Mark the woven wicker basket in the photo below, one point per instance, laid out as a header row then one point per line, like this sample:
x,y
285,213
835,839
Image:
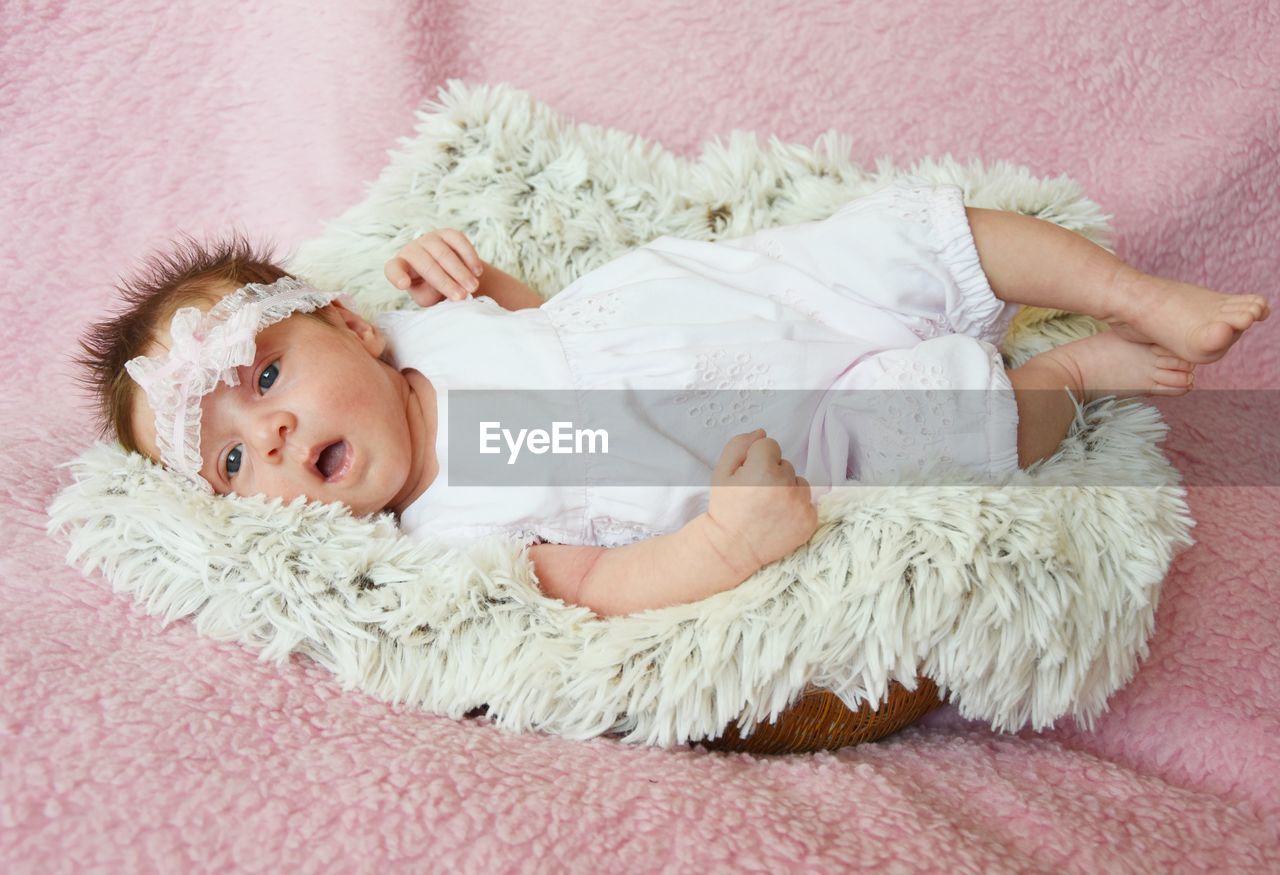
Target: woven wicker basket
x,y
818,720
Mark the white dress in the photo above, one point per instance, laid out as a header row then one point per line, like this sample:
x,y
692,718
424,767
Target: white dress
x,y
888,293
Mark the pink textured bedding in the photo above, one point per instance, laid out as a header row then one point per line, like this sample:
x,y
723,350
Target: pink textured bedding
x,y
132,747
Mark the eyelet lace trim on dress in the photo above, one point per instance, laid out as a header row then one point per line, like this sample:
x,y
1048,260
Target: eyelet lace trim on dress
x,y
927,329
592,312
911,202
913,402
611,532
727,388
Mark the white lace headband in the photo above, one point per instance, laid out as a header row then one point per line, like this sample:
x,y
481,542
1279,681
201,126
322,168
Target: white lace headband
x,y
205,350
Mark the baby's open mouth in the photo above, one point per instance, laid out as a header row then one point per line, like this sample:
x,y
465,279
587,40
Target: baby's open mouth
x,y
334,461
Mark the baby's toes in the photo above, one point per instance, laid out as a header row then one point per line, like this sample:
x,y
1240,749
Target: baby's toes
x,y
1239,317
1170,382
1178,378
1254,305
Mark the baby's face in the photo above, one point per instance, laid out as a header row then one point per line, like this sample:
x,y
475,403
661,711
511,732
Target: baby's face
x,y
317,414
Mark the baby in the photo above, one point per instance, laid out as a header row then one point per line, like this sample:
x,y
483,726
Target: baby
x,y
245,380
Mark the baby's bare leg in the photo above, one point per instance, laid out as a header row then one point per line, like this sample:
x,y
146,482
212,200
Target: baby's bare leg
x,y
1030,261
1105,364
1044,410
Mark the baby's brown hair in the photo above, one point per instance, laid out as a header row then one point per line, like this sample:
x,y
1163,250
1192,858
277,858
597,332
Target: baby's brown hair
x,y
188,273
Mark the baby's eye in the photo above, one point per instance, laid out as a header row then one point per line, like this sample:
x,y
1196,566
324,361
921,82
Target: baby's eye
x,y
233,460
268,376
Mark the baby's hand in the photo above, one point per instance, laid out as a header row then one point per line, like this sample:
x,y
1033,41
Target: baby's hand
x,y
763,510
432,268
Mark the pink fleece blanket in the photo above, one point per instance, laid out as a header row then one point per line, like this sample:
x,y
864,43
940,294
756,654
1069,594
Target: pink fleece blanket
x,y
133,747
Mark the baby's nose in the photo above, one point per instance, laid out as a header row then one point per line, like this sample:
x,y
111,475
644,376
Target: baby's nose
x,y
273,430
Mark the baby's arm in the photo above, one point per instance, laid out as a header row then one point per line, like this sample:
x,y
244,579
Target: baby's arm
x,y
679,567
509,292
759,512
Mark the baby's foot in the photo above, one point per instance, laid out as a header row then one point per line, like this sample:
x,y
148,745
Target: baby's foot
x,y
1199,325
1107,364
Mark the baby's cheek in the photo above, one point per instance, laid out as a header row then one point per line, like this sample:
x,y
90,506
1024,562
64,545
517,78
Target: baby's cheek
x,y
269,487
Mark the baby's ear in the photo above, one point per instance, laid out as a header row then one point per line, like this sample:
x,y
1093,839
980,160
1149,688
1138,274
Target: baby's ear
x,y
366,332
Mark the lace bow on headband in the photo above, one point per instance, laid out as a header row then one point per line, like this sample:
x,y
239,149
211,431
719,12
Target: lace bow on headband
x,y
205,350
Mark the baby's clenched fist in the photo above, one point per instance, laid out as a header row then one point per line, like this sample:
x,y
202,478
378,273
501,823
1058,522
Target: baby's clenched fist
x,y
760,509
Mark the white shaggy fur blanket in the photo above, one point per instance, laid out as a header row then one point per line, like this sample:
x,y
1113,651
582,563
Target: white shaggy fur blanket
x,y
1025,601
